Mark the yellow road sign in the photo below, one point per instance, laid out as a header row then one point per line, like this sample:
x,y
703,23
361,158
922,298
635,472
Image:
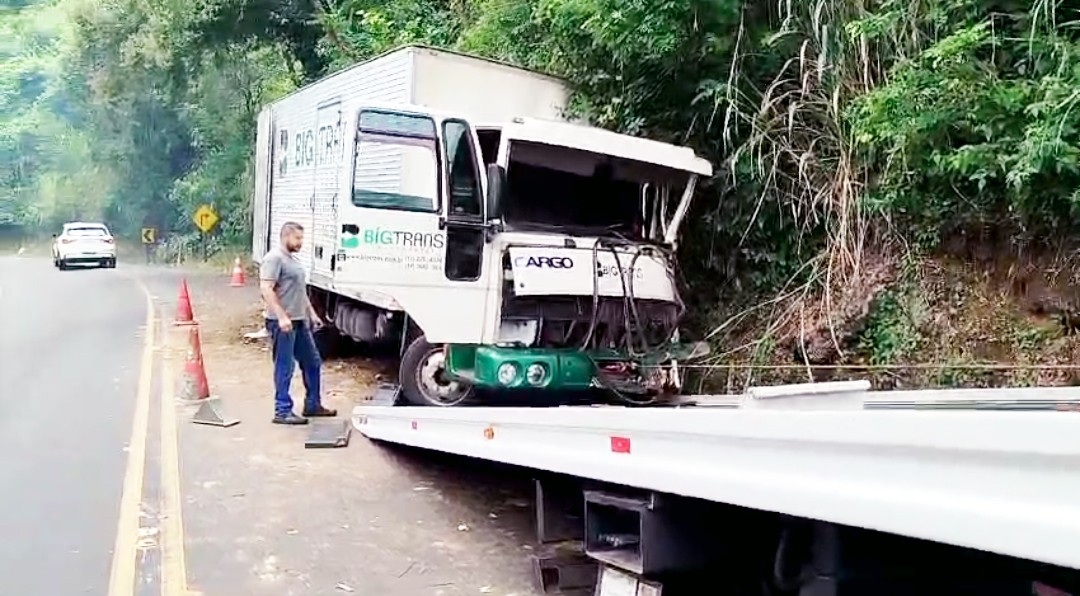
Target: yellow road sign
x,y
149,235
205,218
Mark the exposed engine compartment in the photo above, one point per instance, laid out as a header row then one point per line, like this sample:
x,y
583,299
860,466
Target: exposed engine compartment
x,y
608,324
588,267
626,335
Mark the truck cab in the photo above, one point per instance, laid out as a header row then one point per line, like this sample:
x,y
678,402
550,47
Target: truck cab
x,y
530,254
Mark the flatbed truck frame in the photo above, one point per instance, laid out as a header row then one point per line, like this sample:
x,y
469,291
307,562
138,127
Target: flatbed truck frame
x,y
993,472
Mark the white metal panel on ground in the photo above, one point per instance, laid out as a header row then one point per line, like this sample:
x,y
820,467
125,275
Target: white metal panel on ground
x,y
299,141
1004,482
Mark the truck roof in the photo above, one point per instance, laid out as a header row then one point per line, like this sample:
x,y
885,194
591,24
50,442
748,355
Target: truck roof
x,y
606,142
419,48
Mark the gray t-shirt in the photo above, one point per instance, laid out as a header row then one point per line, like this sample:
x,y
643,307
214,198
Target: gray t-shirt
x,y
289,283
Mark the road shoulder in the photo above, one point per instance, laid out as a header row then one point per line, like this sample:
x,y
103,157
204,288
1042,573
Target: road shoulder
x,y
263,515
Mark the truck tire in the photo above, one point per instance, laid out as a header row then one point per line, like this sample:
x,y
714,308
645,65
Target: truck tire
x,y
329,341
423,380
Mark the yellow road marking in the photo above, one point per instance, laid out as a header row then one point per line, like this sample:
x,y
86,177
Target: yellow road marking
x,y
122,575
174,563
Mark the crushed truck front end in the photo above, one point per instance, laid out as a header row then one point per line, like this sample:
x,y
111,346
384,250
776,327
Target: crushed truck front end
x,y
578,313
585,242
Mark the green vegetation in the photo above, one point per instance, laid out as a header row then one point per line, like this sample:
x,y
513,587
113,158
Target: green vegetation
x,y
849,136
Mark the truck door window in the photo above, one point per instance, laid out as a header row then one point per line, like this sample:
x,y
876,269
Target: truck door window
x,y
464,245
464,176
396,164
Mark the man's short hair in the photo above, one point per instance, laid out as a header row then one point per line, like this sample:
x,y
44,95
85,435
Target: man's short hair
x,y
289,227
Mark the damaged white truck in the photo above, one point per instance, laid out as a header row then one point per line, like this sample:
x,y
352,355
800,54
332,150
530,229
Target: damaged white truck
x,y
449,209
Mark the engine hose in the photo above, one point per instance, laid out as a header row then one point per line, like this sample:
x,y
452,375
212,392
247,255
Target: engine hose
x,y
630,314
633,303
677,283
674,273
628,332
595,296
671,269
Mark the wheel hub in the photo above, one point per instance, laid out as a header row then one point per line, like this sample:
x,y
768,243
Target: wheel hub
x,y
432,379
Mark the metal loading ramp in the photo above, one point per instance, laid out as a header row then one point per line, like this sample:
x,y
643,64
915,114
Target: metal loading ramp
x,y
1003,481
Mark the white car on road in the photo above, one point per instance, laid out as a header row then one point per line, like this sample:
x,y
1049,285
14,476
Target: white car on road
x,y
84,243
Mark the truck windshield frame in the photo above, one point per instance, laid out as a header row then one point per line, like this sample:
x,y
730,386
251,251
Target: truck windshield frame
x,y
395,136
554,188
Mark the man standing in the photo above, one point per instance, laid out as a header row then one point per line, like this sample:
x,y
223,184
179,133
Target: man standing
x,y
289,319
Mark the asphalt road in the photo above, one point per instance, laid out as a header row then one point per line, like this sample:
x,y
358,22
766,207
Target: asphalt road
x,y
70,349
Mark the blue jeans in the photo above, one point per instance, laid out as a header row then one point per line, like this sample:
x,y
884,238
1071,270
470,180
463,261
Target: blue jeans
x,y
296,346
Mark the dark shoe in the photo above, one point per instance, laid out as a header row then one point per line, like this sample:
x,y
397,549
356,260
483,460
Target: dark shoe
x,y
290,419
321,413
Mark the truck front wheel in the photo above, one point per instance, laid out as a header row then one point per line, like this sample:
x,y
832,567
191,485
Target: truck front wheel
x,y
423,377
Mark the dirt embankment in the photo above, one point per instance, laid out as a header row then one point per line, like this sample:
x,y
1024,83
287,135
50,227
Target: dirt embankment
x,y
970,316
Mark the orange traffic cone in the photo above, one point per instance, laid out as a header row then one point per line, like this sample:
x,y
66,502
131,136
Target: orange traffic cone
x,y
194,350
195,385
238,280
184,315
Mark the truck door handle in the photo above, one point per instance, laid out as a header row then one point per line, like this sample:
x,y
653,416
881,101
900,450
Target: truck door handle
x,y
459,223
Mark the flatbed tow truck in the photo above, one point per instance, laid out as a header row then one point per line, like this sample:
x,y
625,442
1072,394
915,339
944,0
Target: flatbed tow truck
x,y
816,489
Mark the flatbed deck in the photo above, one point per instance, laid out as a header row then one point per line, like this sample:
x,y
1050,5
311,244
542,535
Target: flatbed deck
x,y
999,481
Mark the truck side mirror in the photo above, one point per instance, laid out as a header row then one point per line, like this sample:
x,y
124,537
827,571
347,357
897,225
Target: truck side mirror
x,y
496,179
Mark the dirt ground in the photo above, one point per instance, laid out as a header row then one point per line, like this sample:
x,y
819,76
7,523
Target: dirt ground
x,y
264,515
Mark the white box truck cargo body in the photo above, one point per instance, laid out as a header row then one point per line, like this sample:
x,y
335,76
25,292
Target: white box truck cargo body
x,y
300,147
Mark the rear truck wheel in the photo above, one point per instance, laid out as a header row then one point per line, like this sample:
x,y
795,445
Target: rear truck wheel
x,y
423,377
329,341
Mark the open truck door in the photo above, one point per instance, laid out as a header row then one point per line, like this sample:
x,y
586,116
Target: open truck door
x,y
328,156
412,225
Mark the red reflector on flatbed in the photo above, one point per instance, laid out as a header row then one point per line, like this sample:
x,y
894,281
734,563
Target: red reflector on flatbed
x,y
620,445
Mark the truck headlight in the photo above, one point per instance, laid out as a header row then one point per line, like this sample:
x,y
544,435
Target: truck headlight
x,y
536,374
507,373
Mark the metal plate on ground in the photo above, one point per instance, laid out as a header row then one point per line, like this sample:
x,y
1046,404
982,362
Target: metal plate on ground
x,y
386,394
328,435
